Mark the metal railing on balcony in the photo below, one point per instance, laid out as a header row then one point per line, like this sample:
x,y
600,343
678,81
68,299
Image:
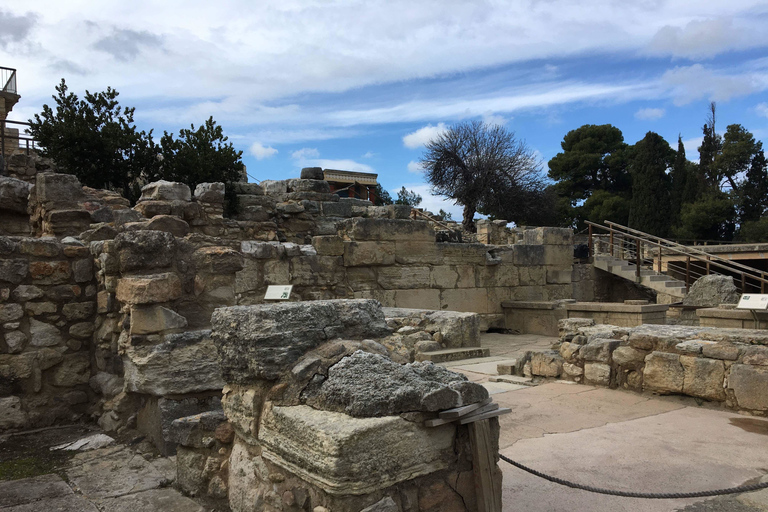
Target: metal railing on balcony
x,y
645,251
8,80
15,137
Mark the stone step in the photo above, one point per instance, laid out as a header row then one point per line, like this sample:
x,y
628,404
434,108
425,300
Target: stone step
x,y
506,367
659,278
453,354
514,379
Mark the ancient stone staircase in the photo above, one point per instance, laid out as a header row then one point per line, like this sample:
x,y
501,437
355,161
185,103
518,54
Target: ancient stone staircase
x,y
661,283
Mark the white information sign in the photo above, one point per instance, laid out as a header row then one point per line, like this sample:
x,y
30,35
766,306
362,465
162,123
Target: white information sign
x,y
280,292
753,301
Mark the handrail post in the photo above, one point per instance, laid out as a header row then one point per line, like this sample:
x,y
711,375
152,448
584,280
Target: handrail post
x,y
638,248
762,282
659,257
2,138
610,240
687,274
743,284
591,243
708,265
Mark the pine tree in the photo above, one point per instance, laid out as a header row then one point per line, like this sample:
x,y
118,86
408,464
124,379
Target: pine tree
x,y
678,180
649,209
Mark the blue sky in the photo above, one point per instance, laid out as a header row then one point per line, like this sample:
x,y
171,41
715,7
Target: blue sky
x,y
360,85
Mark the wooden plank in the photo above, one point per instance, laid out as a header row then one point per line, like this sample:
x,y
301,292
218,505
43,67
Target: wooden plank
x,y
437,422
490,407
485,416
462,411
487,488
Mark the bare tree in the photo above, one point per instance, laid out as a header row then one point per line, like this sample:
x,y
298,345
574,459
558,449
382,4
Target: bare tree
x,y
479,165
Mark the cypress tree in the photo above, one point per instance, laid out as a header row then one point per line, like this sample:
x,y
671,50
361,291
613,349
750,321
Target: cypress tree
x,y
649,209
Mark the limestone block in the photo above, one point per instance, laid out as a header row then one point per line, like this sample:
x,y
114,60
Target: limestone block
x,y
398,278
309,185
558,276
558,256
275,187
312,173
50,272
43,334
247,188
597,373
505,275
337,209
703,377
10,312
11,413
360,229
756,355
368,253
217,260
142,250
78,310
242,405
183,363
427,299
42,247
155,319
149,289
628,355
39,308
328,245
546,364
444,276
169,224
316,270
533,275
210,192
57,190
15,340
157,415
14,194
463,254
83,270
421,252
261,342
724,351
23,293
73,370
750,386
574,370
548,236
165,191
529,255
66,222
106,384
474,300
277,272
81,330
192,431
262,250
13,270
345,455
663,373
599,350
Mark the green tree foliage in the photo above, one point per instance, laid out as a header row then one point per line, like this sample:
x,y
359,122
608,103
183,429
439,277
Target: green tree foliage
x,y
753,192
96,139
709,218
678,178
382,196
602,206
408,197
737,151
477,165
649,209
711,145
443,215
753,231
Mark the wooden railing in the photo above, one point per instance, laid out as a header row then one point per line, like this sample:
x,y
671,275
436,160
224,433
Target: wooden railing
x,y
647,251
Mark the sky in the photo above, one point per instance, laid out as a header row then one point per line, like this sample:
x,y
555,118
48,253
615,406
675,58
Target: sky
x,y
362,84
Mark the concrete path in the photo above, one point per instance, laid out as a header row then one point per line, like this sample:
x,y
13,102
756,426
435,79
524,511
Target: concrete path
x,y
620,440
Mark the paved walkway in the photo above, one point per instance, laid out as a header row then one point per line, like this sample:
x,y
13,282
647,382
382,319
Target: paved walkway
x,y
620,440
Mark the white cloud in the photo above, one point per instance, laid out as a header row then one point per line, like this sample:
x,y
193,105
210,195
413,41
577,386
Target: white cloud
x,y
696,82
305,153
340,165
494,119
650,114
261,152
697,39
369,154
415,167
762,109
423,135
692,148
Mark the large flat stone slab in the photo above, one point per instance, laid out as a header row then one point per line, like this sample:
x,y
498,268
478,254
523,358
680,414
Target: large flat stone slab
x,y
27,490
346,455
165,500
70,503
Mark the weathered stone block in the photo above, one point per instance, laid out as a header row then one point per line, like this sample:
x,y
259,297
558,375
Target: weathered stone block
x,y
724,351
83,270
559,256
13,271
217,260
628,355
597,373
599,350
14,194
703,377
78,310
11,413
23,293
155,319
328,245
422,299
398,278
548,236
10,312
663,373
149,289
318,447
143,250
260,342
474,300
82,330
57,190
43,334
183,363
421,252
50,272
546,364
529,255
750,386
74,369
558,276
360,229
42,247
368,253
166,191
167,223
210,192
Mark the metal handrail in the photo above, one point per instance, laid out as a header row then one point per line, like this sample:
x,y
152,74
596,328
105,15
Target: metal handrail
x,y
30,142
8,80
638,238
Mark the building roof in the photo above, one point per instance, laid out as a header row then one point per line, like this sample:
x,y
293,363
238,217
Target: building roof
x,y
337,176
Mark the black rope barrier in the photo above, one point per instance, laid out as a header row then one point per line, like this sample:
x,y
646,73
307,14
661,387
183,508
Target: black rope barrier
x,y
645,495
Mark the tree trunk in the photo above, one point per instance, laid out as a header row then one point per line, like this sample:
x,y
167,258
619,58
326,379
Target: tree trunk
x,y
469,218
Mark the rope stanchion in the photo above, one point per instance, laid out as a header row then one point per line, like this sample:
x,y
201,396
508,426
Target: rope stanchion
x,y
644,495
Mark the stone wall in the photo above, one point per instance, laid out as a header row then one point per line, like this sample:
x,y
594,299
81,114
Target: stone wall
x,y
729,366
47,306
399,263
325,420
